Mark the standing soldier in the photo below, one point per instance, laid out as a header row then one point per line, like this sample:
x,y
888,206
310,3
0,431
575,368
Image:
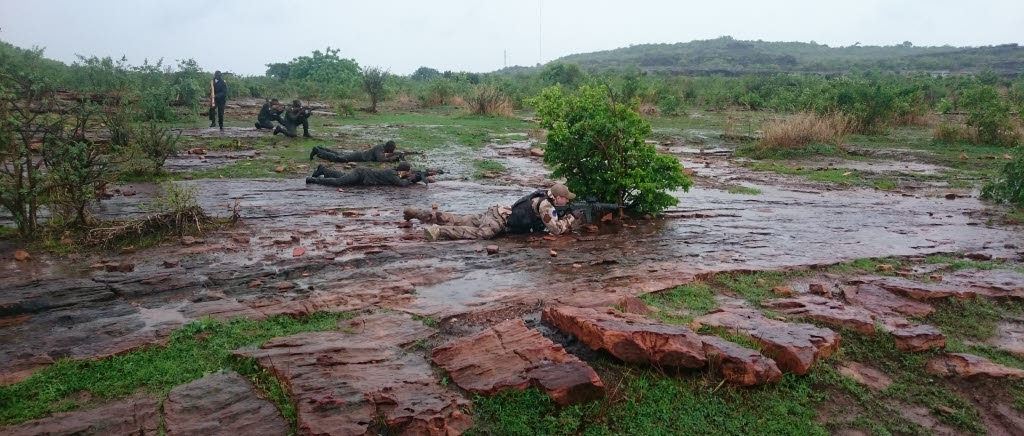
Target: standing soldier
x,y
218,98
270,112
532,213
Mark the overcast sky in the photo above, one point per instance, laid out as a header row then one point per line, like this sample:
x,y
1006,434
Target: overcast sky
x,y
243,36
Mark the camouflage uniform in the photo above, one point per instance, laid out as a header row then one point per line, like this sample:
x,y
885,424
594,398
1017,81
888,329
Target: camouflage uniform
x,y
267,116
375,154
492,222
360,176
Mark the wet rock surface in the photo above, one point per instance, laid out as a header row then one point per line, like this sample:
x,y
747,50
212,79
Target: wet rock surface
x,y
221,404
968,365
969,283
631,338
345,384
512,356
866,375
793,346
739,365
137,416
826,310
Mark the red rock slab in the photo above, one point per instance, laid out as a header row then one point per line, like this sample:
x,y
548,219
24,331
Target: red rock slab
x,y
1009,337
996,283
224,404
794,346
884,302
512,356
132,416
739,365
395,328
866,375
968,365
631,338
346,385
826,310
918,337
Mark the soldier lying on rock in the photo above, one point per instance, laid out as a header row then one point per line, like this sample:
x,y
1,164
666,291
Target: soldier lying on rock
x,y
378,153
403,175
532,213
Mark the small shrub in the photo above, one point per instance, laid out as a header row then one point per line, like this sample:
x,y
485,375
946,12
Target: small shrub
x,y
156,144
489,100
948,133
175,212
805,129
990,116
1008,185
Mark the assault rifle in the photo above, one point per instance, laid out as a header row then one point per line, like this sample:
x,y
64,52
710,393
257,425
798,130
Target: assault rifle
x,y
402,154
421,175
588,206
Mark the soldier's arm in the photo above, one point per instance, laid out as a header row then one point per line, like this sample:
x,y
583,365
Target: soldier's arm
x,y
556,225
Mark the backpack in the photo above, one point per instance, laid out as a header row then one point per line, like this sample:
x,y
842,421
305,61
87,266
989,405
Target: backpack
x,y
524,219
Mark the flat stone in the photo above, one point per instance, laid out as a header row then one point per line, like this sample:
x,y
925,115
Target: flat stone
x,y
968,365
346,385
883,302
794,346
866,375
222,403
918,338
21,255
492,249
132,416
826,310
1009,337
395,328
631,338
739,365
969,283
298,251
512,356
783,291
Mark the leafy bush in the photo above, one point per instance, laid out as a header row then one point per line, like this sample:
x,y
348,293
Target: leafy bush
x,y
374,79
598,146
990,115
948,133
1008,185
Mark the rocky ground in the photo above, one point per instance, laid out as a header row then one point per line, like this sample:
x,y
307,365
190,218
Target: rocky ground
x,y
441,322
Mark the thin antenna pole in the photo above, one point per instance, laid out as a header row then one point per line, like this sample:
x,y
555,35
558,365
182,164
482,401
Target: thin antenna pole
x,y
540,32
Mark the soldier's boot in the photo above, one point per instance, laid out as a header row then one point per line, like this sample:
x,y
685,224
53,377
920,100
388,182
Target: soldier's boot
x,y
310,180
319,171
277,130
258,126
314,152
431,233
305,132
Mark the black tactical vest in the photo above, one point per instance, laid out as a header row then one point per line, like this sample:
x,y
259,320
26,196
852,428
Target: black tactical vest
x,y
524,219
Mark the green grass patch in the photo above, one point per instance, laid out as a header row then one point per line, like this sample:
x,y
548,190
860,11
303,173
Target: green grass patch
x,y
743,190
646,402
754,287
959,263
487,166
972,318
426,320
197,349
697,298
754,151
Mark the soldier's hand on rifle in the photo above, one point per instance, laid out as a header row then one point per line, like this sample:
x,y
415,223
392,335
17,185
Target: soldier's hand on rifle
x,y
578,213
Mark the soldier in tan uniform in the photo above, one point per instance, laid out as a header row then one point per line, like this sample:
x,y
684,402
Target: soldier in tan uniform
x,y
532,213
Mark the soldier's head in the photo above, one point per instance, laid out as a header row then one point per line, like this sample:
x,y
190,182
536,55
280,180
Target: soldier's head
x,y
296,104
216,74
389,147
275,103
404,166
561,194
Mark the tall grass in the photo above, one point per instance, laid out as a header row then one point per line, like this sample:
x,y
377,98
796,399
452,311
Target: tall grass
x,y
805,129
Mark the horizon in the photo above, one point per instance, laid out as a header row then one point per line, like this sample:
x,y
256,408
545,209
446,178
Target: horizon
x,y
460,35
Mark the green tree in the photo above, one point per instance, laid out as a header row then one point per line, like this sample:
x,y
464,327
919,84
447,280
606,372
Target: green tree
x,y
424,73
567,75
598,145
374,79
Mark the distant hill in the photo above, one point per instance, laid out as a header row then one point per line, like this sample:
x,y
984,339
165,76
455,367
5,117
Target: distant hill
x,y
730,56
